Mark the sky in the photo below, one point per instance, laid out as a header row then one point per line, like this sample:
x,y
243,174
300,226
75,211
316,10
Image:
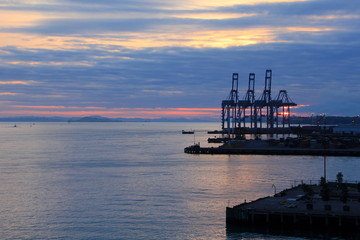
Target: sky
x,y
171,59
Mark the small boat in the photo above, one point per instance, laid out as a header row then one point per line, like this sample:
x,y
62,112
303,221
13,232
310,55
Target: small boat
x,y
187,132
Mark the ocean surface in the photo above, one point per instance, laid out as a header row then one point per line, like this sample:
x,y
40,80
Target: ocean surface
x,y
133,181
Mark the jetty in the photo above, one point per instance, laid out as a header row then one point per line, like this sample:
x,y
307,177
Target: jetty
x,y
317,145
196,149
303,206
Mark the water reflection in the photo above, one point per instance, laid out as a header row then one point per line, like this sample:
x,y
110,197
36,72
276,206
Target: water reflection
x,y
133,181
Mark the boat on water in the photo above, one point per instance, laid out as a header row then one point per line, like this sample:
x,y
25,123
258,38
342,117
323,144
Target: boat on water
x,y
187,132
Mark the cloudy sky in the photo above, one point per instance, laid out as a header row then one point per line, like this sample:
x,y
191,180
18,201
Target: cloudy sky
x,y
161,58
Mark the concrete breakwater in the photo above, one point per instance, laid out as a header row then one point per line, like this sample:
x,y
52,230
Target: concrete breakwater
x,y
293,208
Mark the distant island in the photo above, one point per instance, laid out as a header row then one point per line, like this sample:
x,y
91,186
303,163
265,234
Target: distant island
x,y
98,119
94,119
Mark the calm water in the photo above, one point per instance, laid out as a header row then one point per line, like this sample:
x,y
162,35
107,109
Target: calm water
x,y
133,181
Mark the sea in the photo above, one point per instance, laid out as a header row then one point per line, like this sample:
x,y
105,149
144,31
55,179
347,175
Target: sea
x,y
128,180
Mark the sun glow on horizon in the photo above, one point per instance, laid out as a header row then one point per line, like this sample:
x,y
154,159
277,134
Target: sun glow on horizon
x,y
77,111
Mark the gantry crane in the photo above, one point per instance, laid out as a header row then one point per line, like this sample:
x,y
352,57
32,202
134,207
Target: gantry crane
x,y
248,102
229,107
284,102
264,101
234,112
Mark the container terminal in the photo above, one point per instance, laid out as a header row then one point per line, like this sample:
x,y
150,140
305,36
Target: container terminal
x,y
268,121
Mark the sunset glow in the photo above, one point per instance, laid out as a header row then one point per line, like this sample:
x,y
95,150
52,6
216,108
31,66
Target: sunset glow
x,y
212,4
15,19
16,82
8,94
182,37
218,16
150,113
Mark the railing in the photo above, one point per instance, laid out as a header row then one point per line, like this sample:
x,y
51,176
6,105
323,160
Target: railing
x,y
294,183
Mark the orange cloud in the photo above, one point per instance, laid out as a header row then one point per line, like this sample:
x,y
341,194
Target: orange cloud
x,y
16,82
58,113
51,63
151,113
14,19
300,106
332,17
197,109
308,29
164,37
9,94
212,4
55,107
173,113
217,16
112,112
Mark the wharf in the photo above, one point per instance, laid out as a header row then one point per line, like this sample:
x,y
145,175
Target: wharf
x,y
292,208
246,130
268,147
264,131
196,149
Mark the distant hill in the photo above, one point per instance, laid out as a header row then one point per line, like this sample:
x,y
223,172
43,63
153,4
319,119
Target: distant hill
x,y
94,119
332,120
99,119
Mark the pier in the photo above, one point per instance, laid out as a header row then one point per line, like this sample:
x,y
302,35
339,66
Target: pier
x,y
196,149
294,207
323,146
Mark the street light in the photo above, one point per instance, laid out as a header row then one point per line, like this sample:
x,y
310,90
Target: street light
x,y
325,167
273,186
